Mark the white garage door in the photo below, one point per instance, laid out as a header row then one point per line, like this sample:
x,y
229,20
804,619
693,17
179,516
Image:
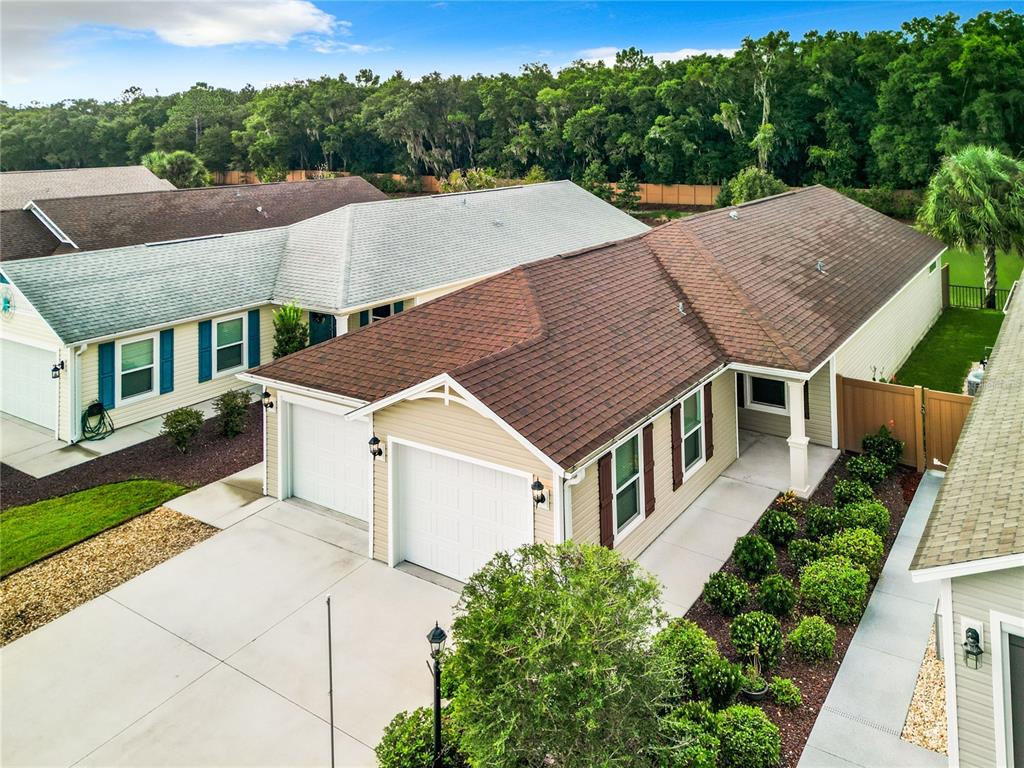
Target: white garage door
x,y
26,388
454,515
330,461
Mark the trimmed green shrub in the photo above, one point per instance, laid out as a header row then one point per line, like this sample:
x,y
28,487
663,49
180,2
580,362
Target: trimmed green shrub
x,y
684,645
822,521
727,593
813,640
835,587
862,545
848,492
757,634
804,551
717,680
789,502
747,738
867,469
232,408
778,595
689,736
182,425
408,740
884,447
754,557
785,692
898,203
777,526
868,514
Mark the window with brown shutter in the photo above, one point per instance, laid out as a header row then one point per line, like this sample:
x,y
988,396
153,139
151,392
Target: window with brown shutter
x,y
604,496
709,427
677,446
648,458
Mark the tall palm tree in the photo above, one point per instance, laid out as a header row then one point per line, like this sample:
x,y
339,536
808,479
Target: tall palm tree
x,y
976,199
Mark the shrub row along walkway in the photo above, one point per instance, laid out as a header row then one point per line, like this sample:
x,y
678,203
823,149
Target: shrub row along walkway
x,y
863,715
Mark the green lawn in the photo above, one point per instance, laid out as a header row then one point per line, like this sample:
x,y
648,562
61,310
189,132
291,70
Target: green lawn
x,y
967,267
944,356
31,532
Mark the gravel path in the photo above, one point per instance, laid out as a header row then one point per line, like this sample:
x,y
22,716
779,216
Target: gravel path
x,y
52,587
926,720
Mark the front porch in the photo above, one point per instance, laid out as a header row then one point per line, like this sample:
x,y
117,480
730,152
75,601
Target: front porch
x,y
700,541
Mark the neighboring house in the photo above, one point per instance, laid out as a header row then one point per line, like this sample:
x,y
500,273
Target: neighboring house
x,y
150,327
615,378
69,224
18,188
973,545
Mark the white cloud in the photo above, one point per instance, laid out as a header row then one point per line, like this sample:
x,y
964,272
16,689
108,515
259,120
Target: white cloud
x,y
42,36
607,54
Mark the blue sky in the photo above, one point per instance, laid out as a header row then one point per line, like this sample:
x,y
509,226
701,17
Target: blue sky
x,y
96,48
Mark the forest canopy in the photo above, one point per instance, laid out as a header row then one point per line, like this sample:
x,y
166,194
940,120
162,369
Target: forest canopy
x,y
838,108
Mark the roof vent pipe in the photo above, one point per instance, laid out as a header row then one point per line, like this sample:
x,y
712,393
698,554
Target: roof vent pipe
x,y
820,266
734,215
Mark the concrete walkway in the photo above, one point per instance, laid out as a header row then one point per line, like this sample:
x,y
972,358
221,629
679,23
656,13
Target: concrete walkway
x,y
863,716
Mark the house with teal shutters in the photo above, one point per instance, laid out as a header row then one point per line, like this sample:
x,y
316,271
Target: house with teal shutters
x,y
146,328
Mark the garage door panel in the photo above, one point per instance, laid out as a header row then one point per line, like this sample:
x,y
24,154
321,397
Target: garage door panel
x,y
454,515
328,461
27,389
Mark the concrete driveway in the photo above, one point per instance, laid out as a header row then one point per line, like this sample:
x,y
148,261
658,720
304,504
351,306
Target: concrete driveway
x,y
218,657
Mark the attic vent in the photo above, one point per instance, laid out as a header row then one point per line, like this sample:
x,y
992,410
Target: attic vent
x,y
498,223
734,215
820,266
259,209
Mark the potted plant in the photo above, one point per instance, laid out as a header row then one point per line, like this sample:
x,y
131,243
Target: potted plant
x,y
754,687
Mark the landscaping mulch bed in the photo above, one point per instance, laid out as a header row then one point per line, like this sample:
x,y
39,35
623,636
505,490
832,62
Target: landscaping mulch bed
x,y
814,681
926,720
50,588
213,457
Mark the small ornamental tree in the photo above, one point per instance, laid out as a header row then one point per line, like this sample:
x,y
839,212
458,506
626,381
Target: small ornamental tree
x,y
291,332
627,192
181,168
750,184
553,659
595,181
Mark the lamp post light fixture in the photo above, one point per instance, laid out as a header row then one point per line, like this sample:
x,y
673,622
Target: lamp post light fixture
x,y
376,450
436,637
537,487
268,400
57,368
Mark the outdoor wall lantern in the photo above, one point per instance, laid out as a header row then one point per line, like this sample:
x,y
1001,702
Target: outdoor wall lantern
x,y
538,492
57,368
972,648
268,400
376,450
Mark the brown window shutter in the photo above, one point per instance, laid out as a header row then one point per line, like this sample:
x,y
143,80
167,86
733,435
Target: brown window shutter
x,y
604,500
675,417
709,424
807,401
648,441
740,394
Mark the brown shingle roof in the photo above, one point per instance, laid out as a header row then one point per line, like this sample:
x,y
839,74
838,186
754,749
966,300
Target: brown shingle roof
x,y
572,351
112,221
979,512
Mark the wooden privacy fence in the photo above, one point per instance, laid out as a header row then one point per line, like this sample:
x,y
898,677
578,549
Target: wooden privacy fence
x,y
927,421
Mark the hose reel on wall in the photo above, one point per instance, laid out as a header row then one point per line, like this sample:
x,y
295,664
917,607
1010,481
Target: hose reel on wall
x,y
96,422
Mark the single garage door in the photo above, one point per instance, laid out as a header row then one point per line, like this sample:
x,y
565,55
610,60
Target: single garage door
x,y
454,515
330,461
26,388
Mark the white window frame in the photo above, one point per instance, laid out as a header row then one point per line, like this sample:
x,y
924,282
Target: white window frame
x,y
748,394
1001,625
213,346
687,471
155,339
632,525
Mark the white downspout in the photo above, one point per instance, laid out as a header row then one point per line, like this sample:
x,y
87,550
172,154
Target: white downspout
x,y
567,483
75,395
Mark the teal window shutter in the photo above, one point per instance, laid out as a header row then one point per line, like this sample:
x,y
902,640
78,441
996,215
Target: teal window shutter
x,y
166,361
106,353
254,338
205,350
399,306
364,318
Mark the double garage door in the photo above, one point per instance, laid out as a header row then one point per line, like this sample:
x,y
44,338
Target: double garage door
x,y
27,389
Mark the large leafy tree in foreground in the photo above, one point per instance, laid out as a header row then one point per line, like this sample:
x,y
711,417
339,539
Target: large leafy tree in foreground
x,y
976,199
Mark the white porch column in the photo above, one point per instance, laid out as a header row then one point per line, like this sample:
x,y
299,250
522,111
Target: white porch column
x,y
340,325
798,470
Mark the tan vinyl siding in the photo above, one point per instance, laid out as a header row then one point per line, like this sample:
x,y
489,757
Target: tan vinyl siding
x,y
188,390
458,429
818,427
880,346
973,598
270,432
27,327
669,504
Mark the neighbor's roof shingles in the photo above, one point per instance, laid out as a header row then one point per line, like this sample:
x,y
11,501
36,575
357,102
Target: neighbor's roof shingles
x,y
571,351
979,512
17,188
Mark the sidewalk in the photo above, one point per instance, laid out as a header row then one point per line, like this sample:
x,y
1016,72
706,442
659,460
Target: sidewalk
x,y
863,716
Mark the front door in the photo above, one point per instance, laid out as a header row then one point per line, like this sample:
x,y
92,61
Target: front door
x,y
321,327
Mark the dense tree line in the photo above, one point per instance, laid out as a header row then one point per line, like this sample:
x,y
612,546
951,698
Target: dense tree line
x,y
841,108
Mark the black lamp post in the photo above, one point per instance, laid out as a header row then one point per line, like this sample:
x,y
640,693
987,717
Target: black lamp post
x,y
436,638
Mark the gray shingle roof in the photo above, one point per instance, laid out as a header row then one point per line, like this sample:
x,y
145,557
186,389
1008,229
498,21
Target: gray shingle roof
x,y
18,187
368,252
979,512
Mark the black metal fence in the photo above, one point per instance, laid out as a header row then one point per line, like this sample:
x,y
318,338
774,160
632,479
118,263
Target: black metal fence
x,y
973,296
